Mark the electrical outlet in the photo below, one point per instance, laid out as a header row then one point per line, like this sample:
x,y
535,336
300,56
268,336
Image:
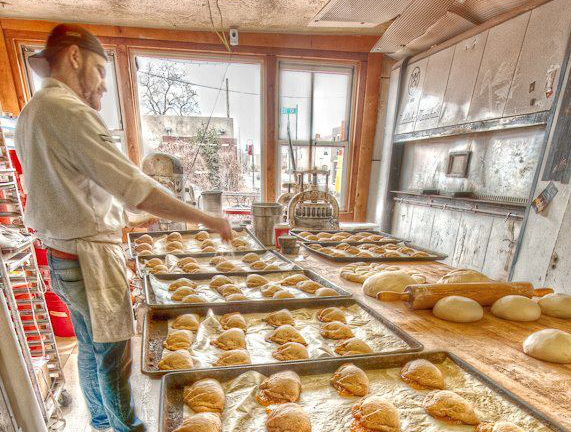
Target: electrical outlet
x,y
233,36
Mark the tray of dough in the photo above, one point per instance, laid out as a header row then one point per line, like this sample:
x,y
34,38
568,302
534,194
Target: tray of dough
x,y
352,237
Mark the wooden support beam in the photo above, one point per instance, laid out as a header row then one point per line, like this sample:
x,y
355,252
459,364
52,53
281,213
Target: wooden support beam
x,y
8,96
270,151
368,127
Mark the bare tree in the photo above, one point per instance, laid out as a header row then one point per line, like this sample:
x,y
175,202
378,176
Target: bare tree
x,y
164,90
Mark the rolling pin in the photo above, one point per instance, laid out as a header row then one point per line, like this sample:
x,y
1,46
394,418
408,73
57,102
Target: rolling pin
x,y
485,293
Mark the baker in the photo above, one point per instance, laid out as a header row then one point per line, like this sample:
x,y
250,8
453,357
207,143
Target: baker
x,y
78,185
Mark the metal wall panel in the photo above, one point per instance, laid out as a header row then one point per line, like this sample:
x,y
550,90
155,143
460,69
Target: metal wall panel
x,y
542,52
497,69
430,105
462,78
410,96
472,241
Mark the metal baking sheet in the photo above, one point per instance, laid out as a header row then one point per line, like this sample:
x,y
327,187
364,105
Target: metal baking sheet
x,y
203,259
435,256
255,244
156,290
389,237
332,413
383,336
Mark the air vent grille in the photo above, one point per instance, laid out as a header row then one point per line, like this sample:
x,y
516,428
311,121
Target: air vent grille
x,y
359,12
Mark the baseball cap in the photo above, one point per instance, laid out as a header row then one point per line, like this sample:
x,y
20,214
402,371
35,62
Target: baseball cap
x,y
62,36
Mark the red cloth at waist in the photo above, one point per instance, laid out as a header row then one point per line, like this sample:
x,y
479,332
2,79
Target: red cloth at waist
x,y
63,255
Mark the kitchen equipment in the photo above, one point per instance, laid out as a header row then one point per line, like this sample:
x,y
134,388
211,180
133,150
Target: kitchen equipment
x,y
485,293
281,229
265,216
211,202
288,244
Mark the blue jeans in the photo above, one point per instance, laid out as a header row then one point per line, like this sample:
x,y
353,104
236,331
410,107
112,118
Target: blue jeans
x,y
104,368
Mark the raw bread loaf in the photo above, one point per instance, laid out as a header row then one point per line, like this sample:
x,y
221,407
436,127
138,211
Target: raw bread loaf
x,y
556,305
550,345
458,309
463,276
395,281
516,308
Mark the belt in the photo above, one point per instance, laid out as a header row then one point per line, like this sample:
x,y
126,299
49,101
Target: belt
x,y
63,255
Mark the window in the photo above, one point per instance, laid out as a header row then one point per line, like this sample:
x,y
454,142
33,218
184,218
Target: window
x,y
206,111
315,106
110,107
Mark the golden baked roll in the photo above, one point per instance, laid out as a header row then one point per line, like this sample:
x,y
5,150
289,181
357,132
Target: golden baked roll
x,y
250,258
228,289
205,395
178,339
327,250
242,248
353,346
283,294
143,247
281,387
239,242
315,246
174,246
186,322
226,266
174,236
206,243
291,351
145,238
449,406
365,254
378,250
288,417
421,374
343,234
335,330
230,339
159,269
258,265
279,318
337,238
236,297
182,292
349,380
201,422
193,298
304,234
367,246
233,320
191,268
255,280
233,358
406,250
270,289
392,254
202,235
219,280
331,314
236,234
286,333
176,251
176,360
272,267
217,260
392,246
375,238
144,253
498,427
180,283
294,279
209,249
154,262
419,254
326,292
324,235
374,413
353,250
186,260
308,286
312,237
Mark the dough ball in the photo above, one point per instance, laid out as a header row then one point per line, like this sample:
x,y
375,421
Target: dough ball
x,y
326,292
233,320
179,339
288,417
349,380
143,247
153,262
272,267
182,292
255,280
458,309
308,286
176,360
395,281
463,276
205,395
258,265
293,280
236,297
556,305
422,374
209,249
281,387
549,345
279,318
219,280
201,422
159,269
231,339
282,294
226,266
229,289
376,413
216,260
193,298
335,330
353,346
498,427
145,238
516,308
250,258
286,333
233,358
449,406
186,260
191,268
202,235
331,314
186,322
175,245
270,289
174,236
180,283
291,351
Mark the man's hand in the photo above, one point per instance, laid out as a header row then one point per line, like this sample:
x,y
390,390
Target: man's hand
x,y
220,225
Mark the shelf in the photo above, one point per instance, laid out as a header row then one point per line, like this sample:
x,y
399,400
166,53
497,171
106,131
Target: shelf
x,y
468,200
8,254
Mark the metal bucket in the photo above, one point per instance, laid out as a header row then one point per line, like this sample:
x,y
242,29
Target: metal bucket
x,y
265,215
211,202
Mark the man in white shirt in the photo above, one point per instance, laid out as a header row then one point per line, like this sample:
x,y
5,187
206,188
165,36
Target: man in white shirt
x,y
78,186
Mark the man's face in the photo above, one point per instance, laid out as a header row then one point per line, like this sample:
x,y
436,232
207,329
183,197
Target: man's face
x,y
92,79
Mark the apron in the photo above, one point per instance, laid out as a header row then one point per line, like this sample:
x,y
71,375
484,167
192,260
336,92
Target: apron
x,y
103,267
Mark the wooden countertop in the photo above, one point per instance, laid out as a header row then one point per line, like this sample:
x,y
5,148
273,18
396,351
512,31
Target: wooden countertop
x,y
492,345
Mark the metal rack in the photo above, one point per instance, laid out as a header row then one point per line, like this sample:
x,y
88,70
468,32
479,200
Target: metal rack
x,y
23,288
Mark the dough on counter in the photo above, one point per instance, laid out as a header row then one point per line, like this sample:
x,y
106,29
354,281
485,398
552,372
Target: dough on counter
x,y
516,308
174,236
286,333
204,244
179,339
180,283
421,374
353,346
556,305
202,235
219,280
159,269
294,279
237,243
335,330
498,427
291,351
250,258
193,298
233,358
144,253
182,292
201,422
175,245
550,345
279,318
191,267
217,260
458,309
209,249
231,339
145,238
326,292
349,380
463,276
376,414
308,286
331,314
153,262
449,406
272,267
258,265
395,281
186,322
233,320
205,395
186,260
143,247
288,417
236,297
281,387
226,266
255,280
282,294
176,360
270,289
226,290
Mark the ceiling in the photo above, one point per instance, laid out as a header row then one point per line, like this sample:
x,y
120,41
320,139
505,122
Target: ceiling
x,y
249,15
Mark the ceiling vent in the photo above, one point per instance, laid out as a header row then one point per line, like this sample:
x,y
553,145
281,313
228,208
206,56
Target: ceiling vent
x,y
358,13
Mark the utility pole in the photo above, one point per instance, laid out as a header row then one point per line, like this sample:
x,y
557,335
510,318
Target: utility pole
x,y
227,100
